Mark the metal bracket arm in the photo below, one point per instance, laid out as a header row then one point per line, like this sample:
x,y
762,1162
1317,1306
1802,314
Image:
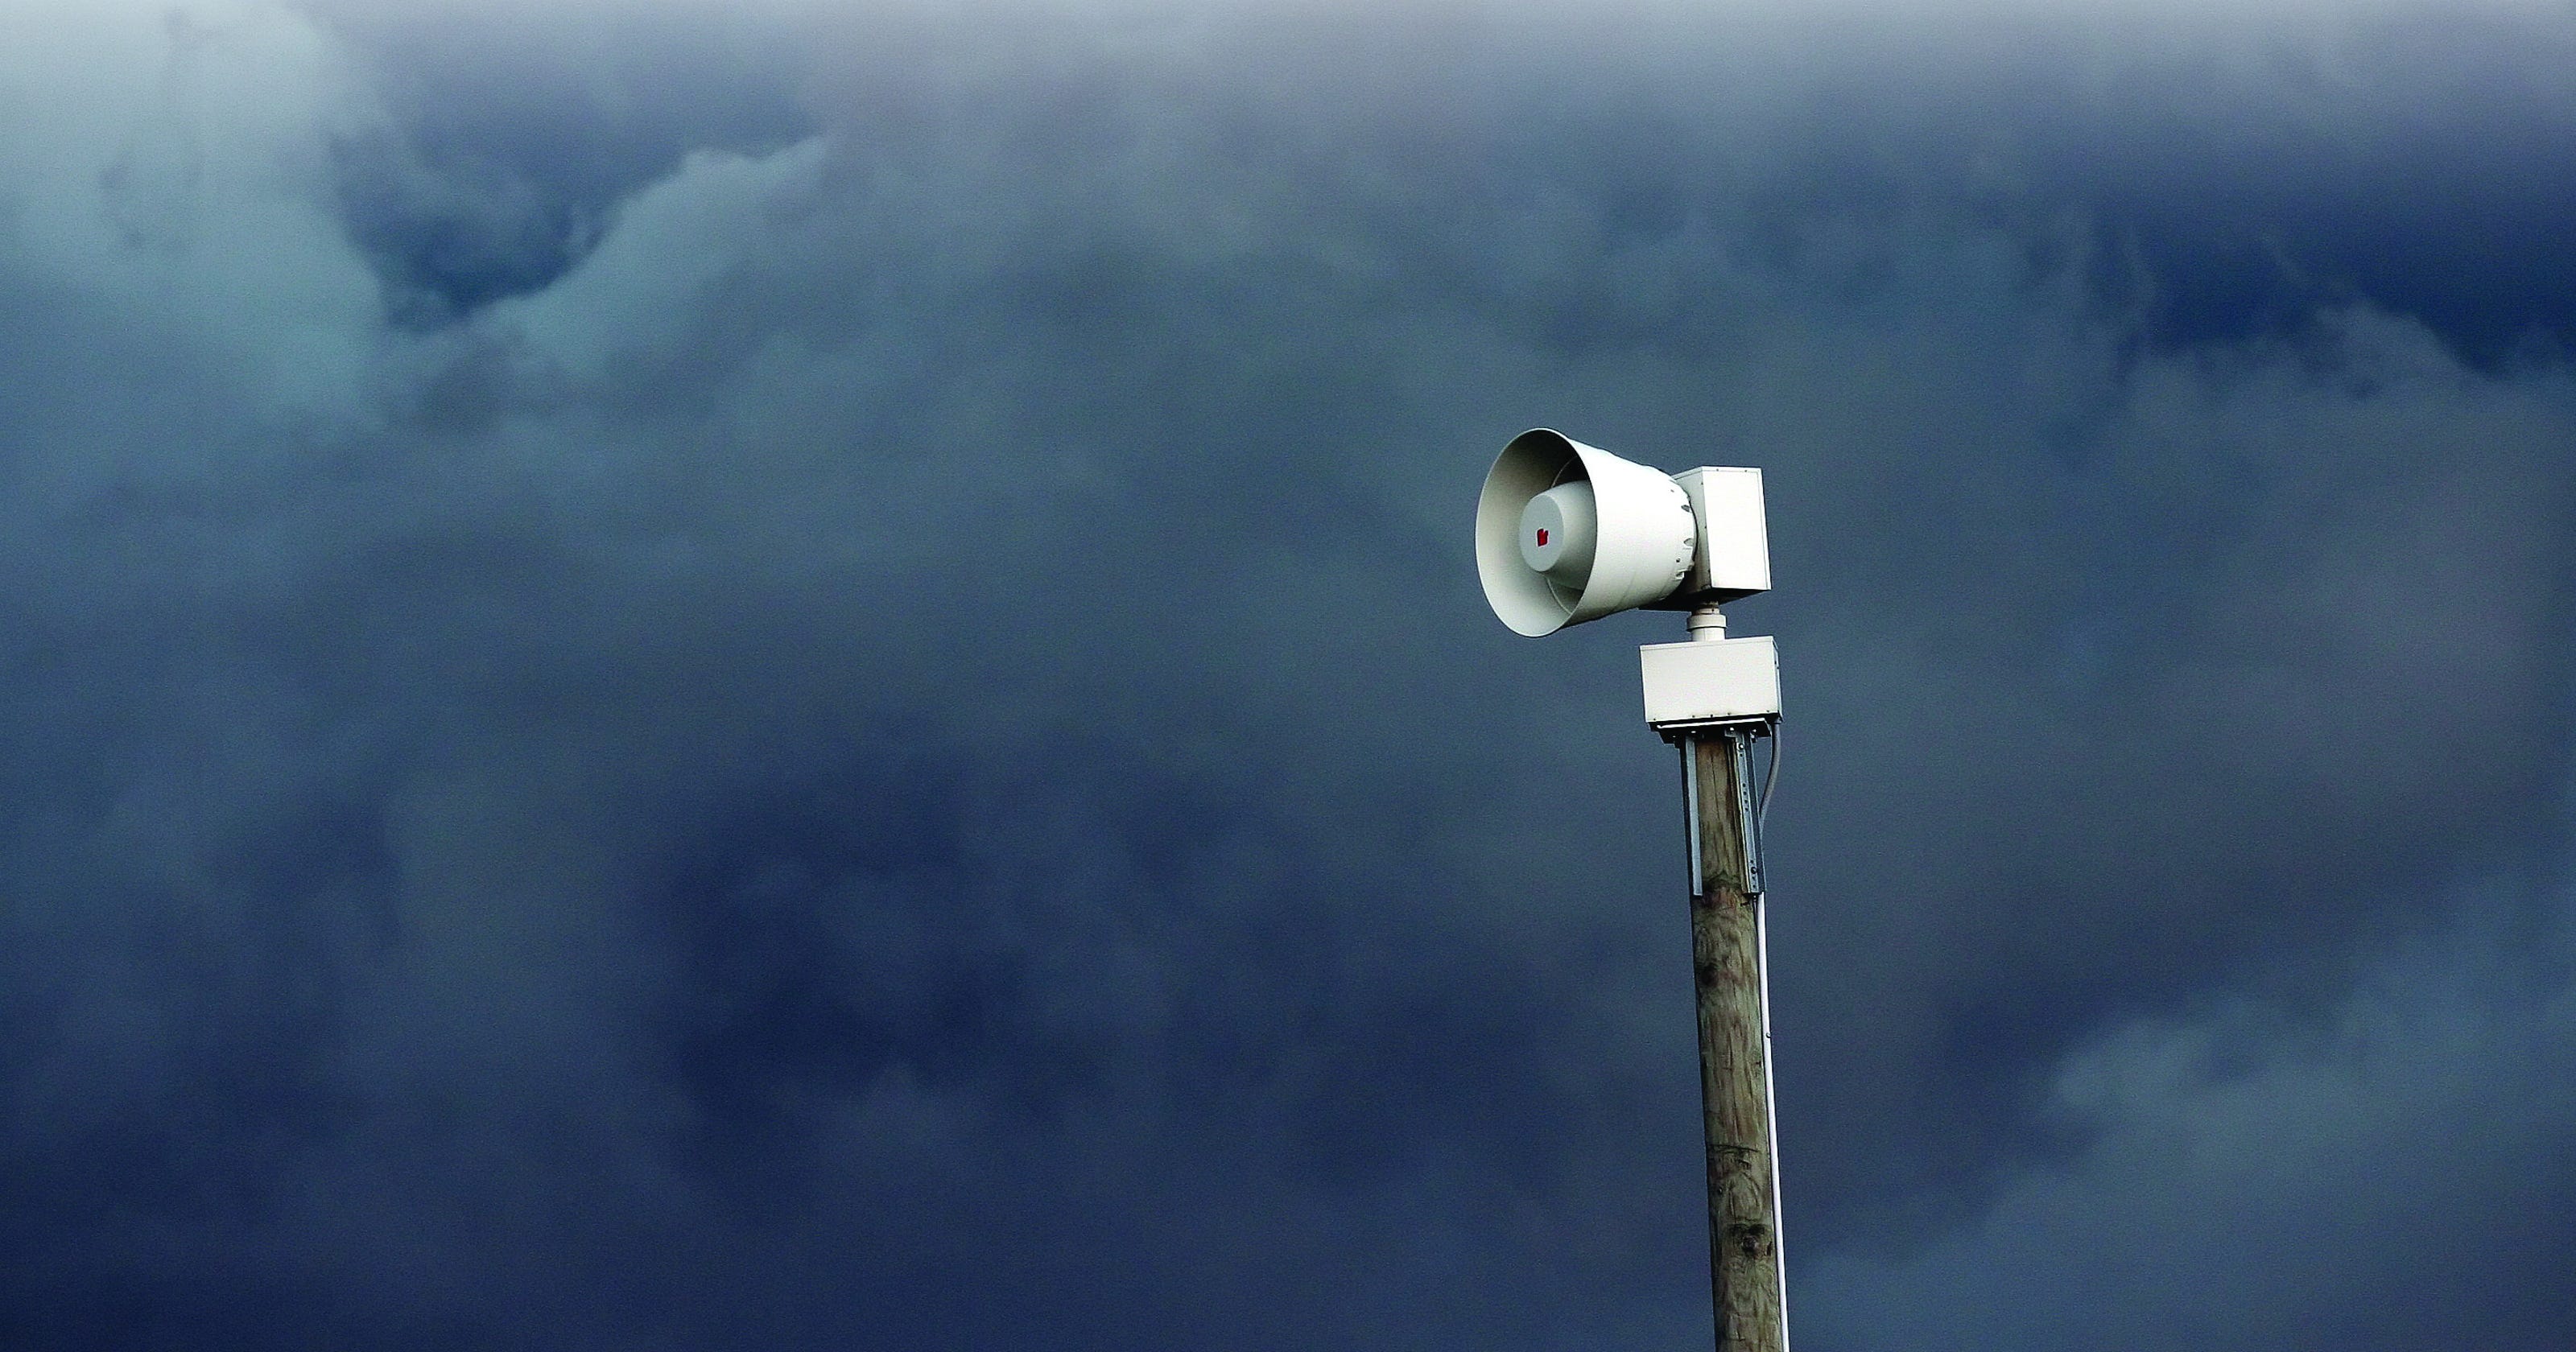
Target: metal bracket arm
x,y
1739,735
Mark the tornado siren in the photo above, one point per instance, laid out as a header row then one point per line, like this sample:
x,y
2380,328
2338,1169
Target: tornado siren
x,y
1567,532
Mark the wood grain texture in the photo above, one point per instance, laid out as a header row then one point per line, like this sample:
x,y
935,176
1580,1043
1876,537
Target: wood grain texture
x,y
1744,1260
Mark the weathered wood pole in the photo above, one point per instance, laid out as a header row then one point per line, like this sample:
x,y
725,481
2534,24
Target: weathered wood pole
x,y
1734,1047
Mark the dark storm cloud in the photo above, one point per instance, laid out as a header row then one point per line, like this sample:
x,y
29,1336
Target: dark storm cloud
x,y
2237,183
2291,1180
885,737
509,141
2418,192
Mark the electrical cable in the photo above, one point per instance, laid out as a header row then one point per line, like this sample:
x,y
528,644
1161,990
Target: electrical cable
x,y
1770,780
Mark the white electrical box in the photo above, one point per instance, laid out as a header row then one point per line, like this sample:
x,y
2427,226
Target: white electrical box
x,y
1707,682
1734,536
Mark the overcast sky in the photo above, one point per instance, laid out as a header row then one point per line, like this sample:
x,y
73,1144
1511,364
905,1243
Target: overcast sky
x,y
808,675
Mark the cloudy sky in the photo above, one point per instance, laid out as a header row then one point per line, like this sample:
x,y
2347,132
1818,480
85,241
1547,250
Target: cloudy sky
x,y
807,675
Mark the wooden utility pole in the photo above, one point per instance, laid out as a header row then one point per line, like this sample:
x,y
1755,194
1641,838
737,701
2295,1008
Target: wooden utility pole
x,y
1734,1039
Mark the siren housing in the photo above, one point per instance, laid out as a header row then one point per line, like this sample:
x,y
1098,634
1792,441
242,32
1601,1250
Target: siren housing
x,y
1567,532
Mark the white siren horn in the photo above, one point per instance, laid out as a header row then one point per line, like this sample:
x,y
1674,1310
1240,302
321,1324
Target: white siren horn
x,y
1567,532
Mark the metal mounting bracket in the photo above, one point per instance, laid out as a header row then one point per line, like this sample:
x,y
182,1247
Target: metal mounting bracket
x,y
1739,734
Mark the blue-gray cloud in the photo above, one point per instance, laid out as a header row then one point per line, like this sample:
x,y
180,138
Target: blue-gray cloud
x,y
691,683
509,140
